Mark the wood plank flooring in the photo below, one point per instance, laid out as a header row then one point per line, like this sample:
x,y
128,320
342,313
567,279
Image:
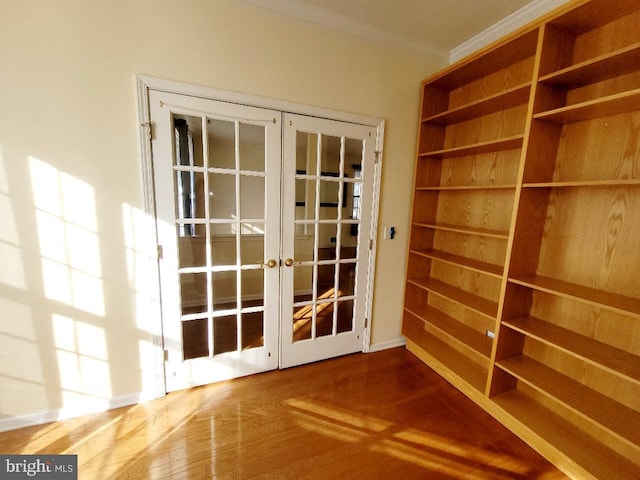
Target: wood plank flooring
x,y
378,415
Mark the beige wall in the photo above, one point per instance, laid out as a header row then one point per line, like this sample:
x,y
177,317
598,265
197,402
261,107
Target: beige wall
x,y
74,313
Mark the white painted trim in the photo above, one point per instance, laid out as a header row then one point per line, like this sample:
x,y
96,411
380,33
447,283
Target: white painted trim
x,y
146,185
375,209
398,342
352,26
40,418
505,26
163,85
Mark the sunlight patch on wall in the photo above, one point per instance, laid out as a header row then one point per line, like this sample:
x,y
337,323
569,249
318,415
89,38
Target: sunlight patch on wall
x,y
139,238
12,271
68,238
83,363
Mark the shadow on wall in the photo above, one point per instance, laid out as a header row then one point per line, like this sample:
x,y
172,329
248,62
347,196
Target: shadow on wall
x,y
65,331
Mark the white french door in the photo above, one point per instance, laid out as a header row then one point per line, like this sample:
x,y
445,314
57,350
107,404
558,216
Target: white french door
x,y
217,191
328,171
264,222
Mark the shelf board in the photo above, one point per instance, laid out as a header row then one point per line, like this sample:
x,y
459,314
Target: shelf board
x,y
457,188
591,455
617,419
599,298
625,182
464,262
499,145
481,232
473,302
462,334
603,67
602,107
613,360
510,98
450,360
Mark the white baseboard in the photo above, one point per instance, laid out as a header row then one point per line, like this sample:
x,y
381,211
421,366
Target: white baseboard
x,y
40,418
377,347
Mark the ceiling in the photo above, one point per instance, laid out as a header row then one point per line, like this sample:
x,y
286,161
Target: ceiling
x,y
436,27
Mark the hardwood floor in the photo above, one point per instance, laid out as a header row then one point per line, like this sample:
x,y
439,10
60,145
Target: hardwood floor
x,y
378,415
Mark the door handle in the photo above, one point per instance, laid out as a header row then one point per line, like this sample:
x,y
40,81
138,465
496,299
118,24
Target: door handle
x,y
289,262
271,263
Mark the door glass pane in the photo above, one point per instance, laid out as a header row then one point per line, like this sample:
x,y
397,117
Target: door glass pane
x,y
306,153
347,279
330,157
326,280
252,330
195,338
191,249
327,237
305,199
223,228
329,199
188,140
222,152
349,238
190,193
252,147
222,196
225,334
193,292
302,322
345,316
302,283
252,288
324,319
304,243
224,290
348,252
223,249
353,150
252,246
253,199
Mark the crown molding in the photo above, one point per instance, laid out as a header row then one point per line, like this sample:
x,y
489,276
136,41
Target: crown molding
x,y
505,26
352,26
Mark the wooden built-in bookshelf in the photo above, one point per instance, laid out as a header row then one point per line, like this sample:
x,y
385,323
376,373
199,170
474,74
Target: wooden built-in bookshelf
x,y
523,276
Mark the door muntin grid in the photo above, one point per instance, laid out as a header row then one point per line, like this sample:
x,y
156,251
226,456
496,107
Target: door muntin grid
x,y
328,175
220,224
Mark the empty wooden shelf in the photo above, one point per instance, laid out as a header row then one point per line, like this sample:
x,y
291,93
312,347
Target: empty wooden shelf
x,y
523,283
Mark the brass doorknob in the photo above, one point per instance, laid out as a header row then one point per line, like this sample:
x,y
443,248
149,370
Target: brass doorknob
x,y
289,262
270,263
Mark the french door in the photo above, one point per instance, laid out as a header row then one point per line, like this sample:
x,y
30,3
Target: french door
x,y
326,221
264,250
217,191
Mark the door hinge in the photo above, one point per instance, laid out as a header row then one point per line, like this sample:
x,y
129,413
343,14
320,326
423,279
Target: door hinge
x,y
377,156
149,128
366,322
166,355
371,244
159,252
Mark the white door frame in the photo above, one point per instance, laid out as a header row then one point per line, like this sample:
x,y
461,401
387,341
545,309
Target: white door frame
x,y
146,83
